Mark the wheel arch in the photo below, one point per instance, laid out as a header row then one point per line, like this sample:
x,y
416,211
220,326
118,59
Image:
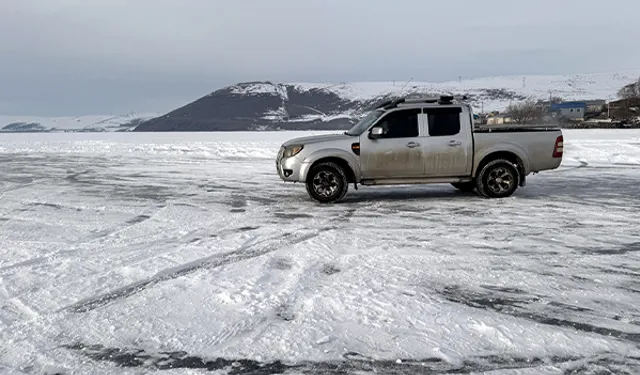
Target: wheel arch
x,y
513,156
348,164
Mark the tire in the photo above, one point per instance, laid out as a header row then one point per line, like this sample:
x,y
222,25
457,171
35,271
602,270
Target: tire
x,y
465,187
498,179
327,183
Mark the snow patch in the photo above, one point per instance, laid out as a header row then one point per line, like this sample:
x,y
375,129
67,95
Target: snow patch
x,y
260,88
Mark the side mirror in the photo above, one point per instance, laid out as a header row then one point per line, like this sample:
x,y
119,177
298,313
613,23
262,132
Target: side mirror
x,y
376,132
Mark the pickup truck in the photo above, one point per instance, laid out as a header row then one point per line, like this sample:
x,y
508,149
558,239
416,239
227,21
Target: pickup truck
x,y
421,141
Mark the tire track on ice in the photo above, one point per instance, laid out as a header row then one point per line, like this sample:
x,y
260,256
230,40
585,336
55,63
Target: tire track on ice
x,y
214,261
281,305
78,247
274,310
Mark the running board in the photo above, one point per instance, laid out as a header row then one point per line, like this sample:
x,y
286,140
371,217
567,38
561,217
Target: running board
x,y
407,181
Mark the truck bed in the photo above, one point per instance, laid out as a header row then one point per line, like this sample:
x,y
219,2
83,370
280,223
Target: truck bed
x,y
534,144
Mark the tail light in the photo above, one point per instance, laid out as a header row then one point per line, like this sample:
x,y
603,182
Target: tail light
x,y
559,147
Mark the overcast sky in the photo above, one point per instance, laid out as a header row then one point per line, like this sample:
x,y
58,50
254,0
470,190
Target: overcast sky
x,y
76,57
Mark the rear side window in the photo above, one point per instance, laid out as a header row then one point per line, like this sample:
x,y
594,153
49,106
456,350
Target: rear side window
x,y
400,124
443,121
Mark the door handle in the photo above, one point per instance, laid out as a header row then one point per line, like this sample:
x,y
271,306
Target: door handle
x,y
413,144
455,143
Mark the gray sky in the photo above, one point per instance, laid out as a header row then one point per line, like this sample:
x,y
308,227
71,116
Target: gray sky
x,y
76,57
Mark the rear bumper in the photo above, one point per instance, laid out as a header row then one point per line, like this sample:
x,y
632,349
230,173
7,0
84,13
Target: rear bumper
x,y
547,165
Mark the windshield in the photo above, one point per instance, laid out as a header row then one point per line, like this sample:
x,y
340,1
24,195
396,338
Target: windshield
x,y
365,122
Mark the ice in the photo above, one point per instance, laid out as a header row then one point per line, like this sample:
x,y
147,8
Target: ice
x,y
184,251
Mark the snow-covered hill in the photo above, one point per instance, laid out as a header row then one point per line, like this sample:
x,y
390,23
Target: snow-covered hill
x,y
77,123
495,93
323,106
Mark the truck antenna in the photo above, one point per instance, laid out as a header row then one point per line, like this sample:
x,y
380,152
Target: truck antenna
x,y
405,85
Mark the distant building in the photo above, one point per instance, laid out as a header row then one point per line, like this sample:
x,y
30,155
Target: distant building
x,y
625,103
499,120
595,106
625,108
571,110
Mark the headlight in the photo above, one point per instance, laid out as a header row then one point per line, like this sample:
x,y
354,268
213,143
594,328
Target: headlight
x,y
293,150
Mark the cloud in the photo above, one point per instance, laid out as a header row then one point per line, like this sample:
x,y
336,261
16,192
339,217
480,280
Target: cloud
x,y
69,57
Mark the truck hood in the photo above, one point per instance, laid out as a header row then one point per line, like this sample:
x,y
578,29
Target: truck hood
x,y
317,139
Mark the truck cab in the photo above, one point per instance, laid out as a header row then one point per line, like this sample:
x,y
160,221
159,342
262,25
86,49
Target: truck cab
x,y
409,142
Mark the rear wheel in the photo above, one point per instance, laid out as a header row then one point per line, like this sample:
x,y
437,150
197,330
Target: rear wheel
x,y
498,179
327,183
466,187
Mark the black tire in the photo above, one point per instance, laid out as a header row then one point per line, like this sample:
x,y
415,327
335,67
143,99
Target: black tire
x,y
465,187
327,176
498,179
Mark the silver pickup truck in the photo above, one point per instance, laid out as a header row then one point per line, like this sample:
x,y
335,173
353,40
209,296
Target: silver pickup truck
x,y
419,141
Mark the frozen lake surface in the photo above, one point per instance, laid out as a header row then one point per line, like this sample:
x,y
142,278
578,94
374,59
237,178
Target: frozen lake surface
x,y
184,251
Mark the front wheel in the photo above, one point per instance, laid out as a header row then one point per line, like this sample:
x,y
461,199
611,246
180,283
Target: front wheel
x,y
498,179
327,183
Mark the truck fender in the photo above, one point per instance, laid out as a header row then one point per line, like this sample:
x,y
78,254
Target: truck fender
x,y
502,147
350,158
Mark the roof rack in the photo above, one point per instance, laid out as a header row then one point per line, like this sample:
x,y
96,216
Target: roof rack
x,y
421,100
446,99
391,103
442,99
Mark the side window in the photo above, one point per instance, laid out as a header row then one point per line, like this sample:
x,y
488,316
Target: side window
x,y
400,124
444,121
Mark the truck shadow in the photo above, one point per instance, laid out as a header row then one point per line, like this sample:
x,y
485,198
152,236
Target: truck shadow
x,y
404,192
587,188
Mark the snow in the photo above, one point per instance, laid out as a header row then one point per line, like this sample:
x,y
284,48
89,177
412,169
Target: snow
x,y
324,118
275,115
258,88
175,249
569,87
75,123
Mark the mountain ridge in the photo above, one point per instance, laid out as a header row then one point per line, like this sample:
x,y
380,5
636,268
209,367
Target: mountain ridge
x,y
89,123
268,105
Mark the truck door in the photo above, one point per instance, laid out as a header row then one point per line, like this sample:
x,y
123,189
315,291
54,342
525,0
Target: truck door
x,y
448,145
398,152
